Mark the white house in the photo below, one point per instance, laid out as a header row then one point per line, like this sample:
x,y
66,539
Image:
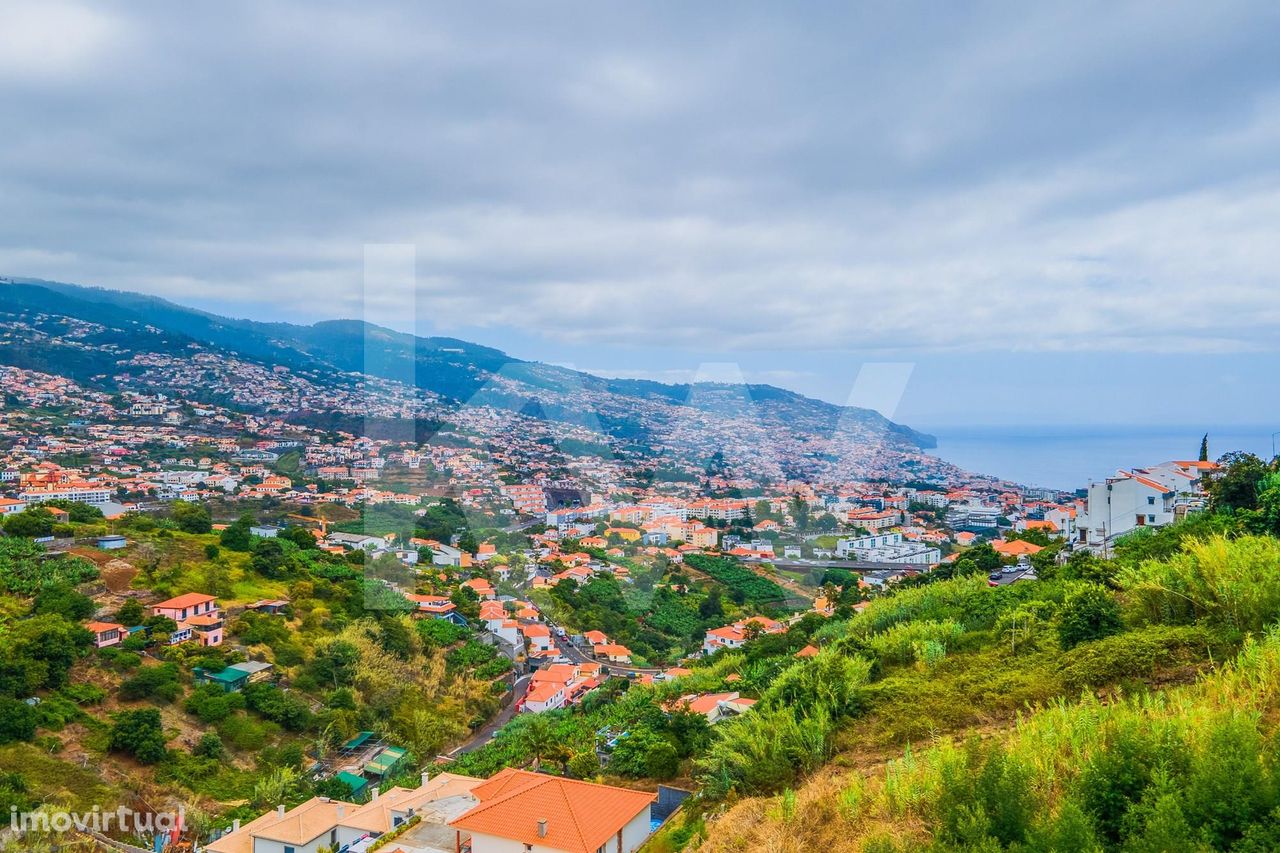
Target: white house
x,y
1134,499
523,812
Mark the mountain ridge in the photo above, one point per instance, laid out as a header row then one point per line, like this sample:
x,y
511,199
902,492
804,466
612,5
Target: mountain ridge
x,y
433,363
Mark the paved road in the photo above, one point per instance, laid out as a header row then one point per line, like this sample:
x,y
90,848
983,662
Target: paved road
x,y
577,655
490,729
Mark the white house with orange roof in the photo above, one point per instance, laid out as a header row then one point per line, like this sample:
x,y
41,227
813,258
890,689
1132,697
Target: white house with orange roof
x,y
321,823
558,685
9,506
307,828
612,652
1151,497
733,636
520,811
714,706
481,588
539,636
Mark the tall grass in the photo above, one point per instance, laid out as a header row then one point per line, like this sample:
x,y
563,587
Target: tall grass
x,y
1231,583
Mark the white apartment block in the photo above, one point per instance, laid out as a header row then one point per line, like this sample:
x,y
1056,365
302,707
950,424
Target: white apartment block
x,y
1144,497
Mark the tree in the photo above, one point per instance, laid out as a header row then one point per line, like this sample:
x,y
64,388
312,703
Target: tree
x,y
335,663
131,613
153,682
269,559
1204,448
192,517
712,607
33,522
1236,486
299,536
1088,614
209,746
236,536
49,641
80,513
62,599
140,734
17,720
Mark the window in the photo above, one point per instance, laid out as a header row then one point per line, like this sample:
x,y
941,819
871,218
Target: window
x,y
288,849
1151,519
1151,501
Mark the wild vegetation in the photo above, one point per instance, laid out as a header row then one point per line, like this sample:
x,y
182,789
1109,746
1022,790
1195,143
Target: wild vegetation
x,y
1122,704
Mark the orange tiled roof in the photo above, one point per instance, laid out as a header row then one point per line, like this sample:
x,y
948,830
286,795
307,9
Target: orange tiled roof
x,y
580,816
190,599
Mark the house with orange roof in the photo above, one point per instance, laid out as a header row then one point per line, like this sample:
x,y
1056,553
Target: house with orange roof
x,y
1143,497
524,811
107,633
197,616
539,636
303,829
481,588
612,652
9,506
1016,548
733,636
714,706
436,607
322,823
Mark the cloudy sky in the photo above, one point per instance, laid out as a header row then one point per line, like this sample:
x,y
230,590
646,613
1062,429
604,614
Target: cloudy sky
x,y
1055,215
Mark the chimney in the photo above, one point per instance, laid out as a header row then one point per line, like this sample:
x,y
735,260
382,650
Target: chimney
x,y
235,825
280,810
342,811
373,793
426,777
542,828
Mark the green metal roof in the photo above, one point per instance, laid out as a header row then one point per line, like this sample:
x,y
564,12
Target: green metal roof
x,y
386,761
357,741
357,784
226,676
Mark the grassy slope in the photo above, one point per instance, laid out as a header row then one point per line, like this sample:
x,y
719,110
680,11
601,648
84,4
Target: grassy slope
x,y
879,791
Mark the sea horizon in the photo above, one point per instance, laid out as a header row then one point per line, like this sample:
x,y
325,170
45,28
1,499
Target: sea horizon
x,y
1068,457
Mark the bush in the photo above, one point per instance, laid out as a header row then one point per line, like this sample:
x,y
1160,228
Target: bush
x,y
1233,583
140,734
1090,613
153,682
17,720
910,641
279,707
244,733
209,746
212,704
1139,654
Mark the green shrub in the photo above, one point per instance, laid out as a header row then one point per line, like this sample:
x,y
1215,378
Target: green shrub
x,y
1089,613
153,682
1140,654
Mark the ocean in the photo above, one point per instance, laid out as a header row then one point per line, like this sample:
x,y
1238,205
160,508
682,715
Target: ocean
x,y
1069,457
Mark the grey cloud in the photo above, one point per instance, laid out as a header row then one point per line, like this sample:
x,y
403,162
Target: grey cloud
x,y
931,176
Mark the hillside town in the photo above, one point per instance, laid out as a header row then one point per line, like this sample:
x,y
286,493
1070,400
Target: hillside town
x,y
197,502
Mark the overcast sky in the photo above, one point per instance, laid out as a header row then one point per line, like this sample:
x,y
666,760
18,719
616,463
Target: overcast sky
x,y
1056,215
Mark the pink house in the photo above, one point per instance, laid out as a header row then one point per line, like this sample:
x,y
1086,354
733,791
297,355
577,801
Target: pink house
x,y
107,633
198,617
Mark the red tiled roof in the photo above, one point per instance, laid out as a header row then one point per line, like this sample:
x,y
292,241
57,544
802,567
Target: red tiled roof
x,y
190,599
580,816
